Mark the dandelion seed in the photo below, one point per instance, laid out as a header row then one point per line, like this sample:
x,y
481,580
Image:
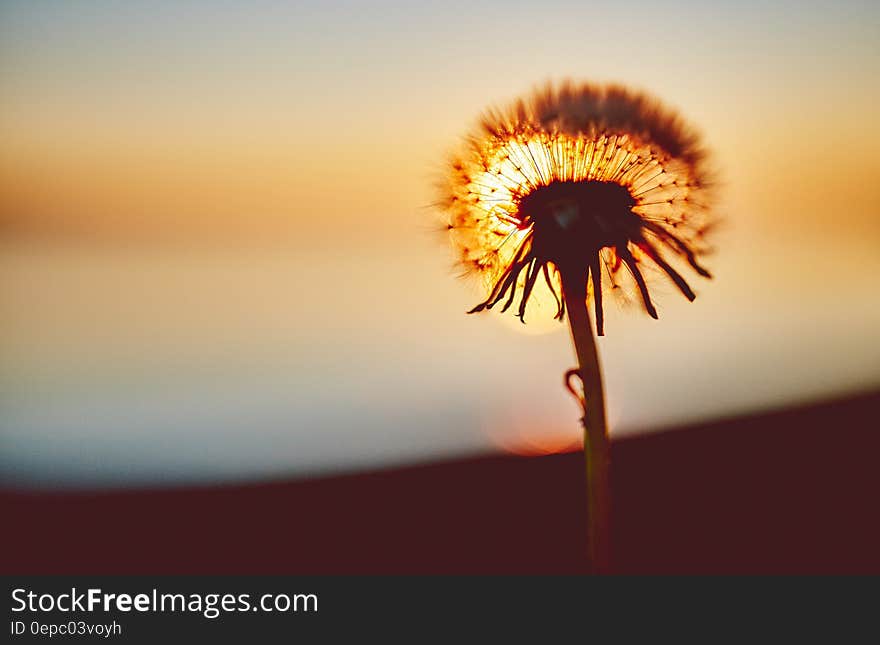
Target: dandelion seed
x,y
581,176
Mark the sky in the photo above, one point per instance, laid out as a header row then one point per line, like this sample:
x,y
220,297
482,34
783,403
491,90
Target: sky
x,y
218,258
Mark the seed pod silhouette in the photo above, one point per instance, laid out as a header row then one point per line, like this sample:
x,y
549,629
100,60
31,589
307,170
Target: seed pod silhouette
x,y
595,180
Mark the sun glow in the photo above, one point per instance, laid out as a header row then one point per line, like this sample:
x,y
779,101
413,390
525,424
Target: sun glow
x,y
515,167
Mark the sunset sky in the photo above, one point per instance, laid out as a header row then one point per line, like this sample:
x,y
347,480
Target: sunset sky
x,y
219,260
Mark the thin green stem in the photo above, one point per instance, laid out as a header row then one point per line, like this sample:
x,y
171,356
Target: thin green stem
x,y
597,453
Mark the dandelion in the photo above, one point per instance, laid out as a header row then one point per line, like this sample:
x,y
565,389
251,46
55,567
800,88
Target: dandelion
x,y
588,189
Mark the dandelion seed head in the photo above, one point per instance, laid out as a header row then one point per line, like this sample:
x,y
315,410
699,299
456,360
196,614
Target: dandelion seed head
x,y
594,179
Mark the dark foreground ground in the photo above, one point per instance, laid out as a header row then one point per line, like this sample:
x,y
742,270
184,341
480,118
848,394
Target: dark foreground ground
x,y
788,492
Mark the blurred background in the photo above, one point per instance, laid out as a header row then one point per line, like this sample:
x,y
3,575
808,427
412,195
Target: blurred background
x,y
218,259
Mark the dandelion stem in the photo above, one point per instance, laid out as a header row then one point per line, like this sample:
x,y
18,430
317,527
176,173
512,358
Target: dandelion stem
x,y
596,445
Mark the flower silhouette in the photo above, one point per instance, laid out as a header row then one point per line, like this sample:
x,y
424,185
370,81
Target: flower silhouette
x,y
593,181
